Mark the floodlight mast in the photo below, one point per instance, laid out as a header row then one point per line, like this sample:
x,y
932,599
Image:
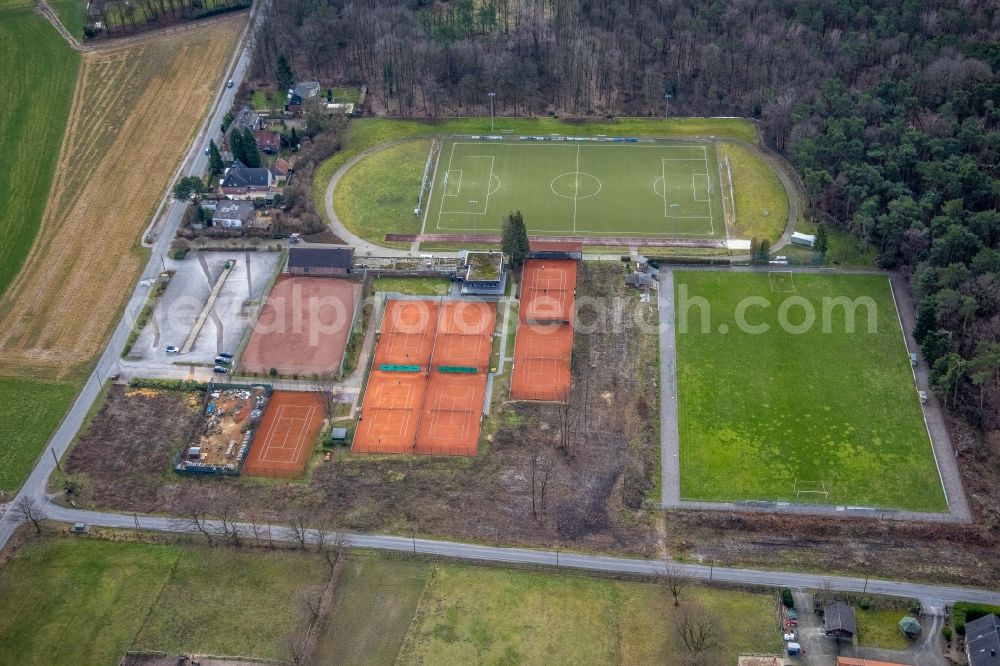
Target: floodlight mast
x,y
492,95
666,105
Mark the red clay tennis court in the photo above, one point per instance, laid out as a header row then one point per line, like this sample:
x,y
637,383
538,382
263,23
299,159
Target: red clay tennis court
x,y
286,435
465,335
451,415
407,333
303,327
390,412
548,289
544,343
542,362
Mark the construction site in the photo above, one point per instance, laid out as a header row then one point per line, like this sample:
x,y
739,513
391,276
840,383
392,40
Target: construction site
x,y
223,436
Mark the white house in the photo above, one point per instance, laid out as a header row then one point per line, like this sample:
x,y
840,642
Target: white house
x,y
233,215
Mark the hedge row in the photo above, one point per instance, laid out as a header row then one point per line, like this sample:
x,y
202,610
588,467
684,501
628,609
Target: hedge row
x,y
963,612
167,384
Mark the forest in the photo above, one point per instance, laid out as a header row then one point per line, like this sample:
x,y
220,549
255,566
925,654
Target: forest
x,y
886,109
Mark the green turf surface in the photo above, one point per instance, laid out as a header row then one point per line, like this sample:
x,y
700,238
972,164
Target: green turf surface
x,y
578,188
378,195
415,286
31,411
762,415
39,74
760,199
85,601
364,133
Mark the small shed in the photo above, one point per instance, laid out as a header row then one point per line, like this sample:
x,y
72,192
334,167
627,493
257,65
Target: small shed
x,y
806,240
639,281
338,434
839,620
320,261
910,627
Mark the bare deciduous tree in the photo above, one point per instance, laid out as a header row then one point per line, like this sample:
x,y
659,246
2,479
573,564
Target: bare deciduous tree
x,y
193,517
674,581
326,386
700,632
28,511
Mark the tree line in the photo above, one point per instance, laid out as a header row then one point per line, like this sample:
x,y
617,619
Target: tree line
x,y
885,108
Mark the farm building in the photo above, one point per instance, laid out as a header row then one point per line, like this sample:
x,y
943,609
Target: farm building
x,y
839,621
539,249
982,641
242,181
233,214
320,262
806,240
483,273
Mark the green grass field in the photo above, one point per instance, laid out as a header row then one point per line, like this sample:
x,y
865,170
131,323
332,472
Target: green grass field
x,y
379,194
73,14
566,188
39,75
86,601
414,286
32,409
879,627
388,610
761,202
763,416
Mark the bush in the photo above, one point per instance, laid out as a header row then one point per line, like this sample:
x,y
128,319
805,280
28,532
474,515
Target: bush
x,y
946,633
273,372
787,599
865,603
167,384
962,612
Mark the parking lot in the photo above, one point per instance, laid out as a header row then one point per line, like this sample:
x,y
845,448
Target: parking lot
x,y
178,310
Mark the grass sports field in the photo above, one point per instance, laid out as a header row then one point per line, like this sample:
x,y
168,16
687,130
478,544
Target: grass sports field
x,y
767,415
578,188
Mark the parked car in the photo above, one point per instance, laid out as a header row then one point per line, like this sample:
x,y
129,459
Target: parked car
x,y
222,360
220,369
229,83
225,355
171,349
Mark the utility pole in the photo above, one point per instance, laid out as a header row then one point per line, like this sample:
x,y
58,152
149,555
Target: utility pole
x,y
53,452
492,96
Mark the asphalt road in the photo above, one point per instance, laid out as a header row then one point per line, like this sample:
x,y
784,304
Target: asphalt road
x,y
932,595
195,162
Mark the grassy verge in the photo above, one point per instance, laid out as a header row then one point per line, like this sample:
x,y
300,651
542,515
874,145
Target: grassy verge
x,y
85,600
761,200
41,71
415,286
764,413
32,409
843,249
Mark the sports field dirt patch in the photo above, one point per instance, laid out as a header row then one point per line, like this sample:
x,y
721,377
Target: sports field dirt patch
x,y
451,415
464,335
286,435
133,114
548,288
407,333
303,327
390,412
544,340
542,362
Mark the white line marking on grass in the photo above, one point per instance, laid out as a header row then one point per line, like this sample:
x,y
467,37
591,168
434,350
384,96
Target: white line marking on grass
x,y
576,192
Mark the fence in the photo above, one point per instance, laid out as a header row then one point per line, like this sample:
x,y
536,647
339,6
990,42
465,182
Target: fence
x,y
228,469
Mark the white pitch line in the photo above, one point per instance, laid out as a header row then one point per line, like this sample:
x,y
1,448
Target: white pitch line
x,y
576,190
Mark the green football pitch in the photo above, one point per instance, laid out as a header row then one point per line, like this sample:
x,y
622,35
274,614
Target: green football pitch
x,y
798,387
578,188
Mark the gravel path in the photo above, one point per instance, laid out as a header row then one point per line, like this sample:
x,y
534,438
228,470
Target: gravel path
x,y
669,429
